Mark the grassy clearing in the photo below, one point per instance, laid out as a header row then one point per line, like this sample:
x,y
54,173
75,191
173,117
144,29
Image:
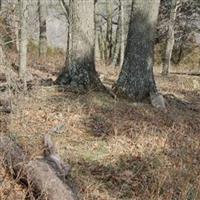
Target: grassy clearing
x,y
118,150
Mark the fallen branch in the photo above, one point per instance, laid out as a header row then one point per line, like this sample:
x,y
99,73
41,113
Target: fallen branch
x,y
185,73
38,174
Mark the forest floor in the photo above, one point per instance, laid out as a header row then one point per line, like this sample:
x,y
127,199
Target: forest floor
x,y
117,149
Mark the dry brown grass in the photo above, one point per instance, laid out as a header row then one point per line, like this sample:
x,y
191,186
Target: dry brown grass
x,y
118,150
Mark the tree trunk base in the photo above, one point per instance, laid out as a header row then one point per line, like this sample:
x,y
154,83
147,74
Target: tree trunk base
x,y
156,99
122,93
82,82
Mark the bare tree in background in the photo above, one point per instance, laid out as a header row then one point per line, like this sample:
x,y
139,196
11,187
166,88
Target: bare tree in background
x,y
42,6
117,43
122,46
81,71
23,40
120,37
136,80
66,9
170,38
109,41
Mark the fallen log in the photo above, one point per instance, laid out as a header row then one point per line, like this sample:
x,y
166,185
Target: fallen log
x,y
185,73
39,175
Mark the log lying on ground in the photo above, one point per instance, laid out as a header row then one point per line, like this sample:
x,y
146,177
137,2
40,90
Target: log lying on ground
x,y
185,73
39,174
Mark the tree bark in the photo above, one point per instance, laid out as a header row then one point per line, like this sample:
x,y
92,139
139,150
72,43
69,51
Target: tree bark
x,y
102,43
136,79
122,46
66,9
23,40
38,174
81,71
170,38
117,48
42,6
109,42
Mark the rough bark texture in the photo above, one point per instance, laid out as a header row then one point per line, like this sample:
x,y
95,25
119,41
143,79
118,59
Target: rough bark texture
x,y
39,175
81,71
136,79
170,38
42,6
23,39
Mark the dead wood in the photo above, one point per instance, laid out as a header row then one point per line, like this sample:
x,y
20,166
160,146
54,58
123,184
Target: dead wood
x,y
185,73
39,174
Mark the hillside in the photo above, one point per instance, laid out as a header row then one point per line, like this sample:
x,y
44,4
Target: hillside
x,y
117,149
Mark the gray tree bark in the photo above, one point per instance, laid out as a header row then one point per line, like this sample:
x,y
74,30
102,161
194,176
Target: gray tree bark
x,y
81,71
42,6
109,42
100,44
170,38
116,53
136,79
23,40
66,9
122,46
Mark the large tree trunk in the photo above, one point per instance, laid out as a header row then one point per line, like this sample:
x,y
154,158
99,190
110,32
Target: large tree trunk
x,y
42,6
23,40
81,71
136,80
170,38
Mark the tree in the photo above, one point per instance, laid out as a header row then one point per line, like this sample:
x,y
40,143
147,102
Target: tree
x,y
117,43
120,36
109,40
186,27
42,6
170,38
122,46
23,40
136,79
81,71
65,8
